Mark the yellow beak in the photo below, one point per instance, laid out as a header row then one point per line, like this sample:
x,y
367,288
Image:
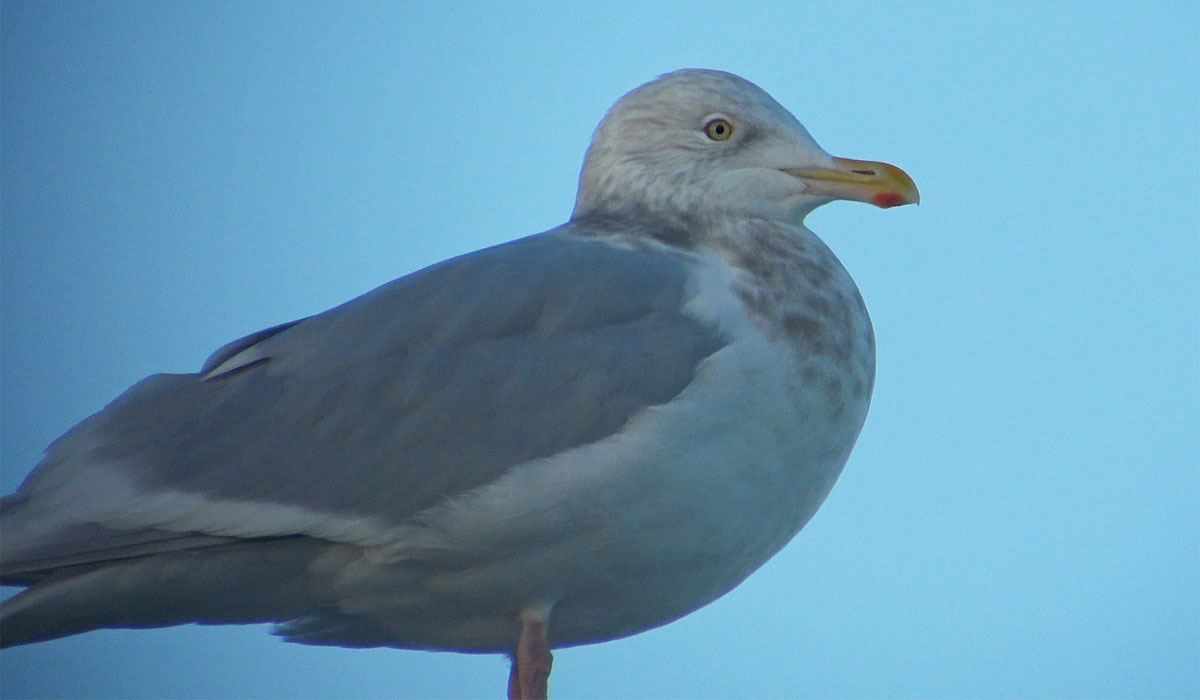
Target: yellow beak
x,y
880,184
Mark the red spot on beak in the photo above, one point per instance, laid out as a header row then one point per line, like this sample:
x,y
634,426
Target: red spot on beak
x,y
887,198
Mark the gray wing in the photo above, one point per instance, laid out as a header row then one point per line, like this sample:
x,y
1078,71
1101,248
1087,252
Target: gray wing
x,y
425,388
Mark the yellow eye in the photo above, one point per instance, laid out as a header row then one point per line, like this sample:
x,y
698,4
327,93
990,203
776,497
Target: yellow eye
x,y
718,129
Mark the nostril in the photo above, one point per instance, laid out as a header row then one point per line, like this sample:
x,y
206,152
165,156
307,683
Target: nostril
x,y
868,173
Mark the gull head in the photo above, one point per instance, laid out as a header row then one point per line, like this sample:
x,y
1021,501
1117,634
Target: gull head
x,y
703,144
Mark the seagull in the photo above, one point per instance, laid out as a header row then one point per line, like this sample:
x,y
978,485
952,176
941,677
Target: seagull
x,y
564,439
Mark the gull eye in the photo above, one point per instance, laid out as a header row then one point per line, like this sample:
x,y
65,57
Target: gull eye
x,y
718,129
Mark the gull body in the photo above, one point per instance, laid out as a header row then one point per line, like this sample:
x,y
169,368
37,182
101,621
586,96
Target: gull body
x,y
568,438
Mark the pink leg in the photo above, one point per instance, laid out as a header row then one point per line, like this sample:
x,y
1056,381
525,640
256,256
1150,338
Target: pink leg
x,y
530,672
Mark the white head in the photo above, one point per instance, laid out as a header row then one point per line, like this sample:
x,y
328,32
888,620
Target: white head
x,y
713,144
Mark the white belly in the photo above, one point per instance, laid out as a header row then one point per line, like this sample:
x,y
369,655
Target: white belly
x,y
639,528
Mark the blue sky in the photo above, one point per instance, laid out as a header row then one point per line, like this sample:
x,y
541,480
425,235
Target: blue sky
x,y
1021,515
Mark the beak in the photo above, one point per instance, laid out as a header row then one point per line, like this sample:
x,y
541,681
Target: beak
x,y
861,180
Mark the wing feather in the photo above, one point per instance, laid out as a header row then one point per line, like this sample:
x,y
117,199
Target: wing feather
x,y
428,387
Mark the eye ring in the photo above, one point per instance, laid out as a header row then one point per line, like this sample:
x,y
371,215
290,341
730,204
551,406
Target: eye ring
x,y
718,129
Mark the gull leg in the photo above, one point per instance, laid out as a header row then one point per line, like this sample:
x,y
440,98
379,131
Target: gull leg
x,y
514,681
530,671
